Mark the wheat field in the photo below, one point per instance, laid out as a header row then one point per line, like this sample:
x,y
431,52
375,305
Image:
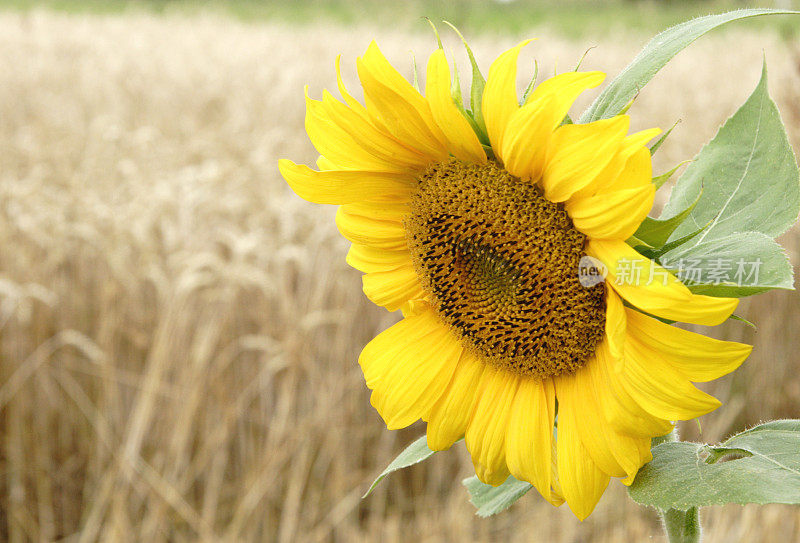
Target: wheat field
x,y
179,333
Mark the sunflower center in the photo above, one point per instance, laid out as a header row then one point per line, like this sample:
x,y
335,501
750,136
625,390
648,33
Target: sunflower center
x,y
501,265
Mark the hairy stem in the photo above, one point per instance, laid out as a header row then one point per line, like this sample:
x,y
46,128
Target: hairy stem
x,y
682,526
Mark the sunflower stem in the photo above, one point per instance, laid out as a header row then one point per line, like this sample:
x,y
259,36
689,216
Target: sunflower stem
x,y
682,526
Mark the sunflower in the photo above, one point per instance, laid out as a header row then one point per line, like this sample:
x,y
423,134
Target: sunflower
x,y
475,224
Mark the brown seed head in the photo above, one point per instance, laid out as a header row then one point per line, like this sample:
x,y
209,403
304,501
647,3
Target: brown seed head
x,y
501,265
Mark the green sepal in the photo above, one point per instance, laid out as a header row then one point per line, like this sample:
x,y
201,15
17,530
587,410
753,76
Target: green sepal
x,y
657,144
647,252
476,89
656,232
634,242
578,66
634,308
435,32
415,83
531,85
627,106
742,319
680,241
659,180
455,93
455,88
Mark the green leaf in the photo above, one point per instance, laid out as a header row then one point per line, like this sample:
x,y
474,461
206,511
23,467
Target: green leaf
x,y
656,232
741,264
760,465
413,454
748,174
655,56
491,500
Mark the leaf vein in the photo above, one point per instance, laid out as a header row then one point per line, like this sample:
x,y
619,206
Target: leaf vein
x,y
744,173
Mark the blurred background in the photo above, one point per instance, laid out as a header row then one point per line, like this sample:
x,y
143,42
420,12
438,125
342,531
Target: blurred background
x,y
179,332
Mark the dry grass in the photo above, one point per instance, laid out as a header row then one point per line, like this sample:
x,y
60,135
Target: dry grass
x,y
178,333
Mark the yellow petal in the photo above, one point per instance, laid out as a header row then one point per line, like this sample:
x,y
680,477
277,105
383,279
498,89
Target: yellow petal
x,y
354,104
578,152
697,357
500,96
392,289
379,211
373,139
645,454
561,91
408,367
450,416
616,323
579,397
619,408
462,141
401,108
659,388
337,145
636,141
637,171
582,482
558,493
414,307
368,230
616,215
529,439
651,288
486,435
529,129
370,259
326,164
345,186
631,452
